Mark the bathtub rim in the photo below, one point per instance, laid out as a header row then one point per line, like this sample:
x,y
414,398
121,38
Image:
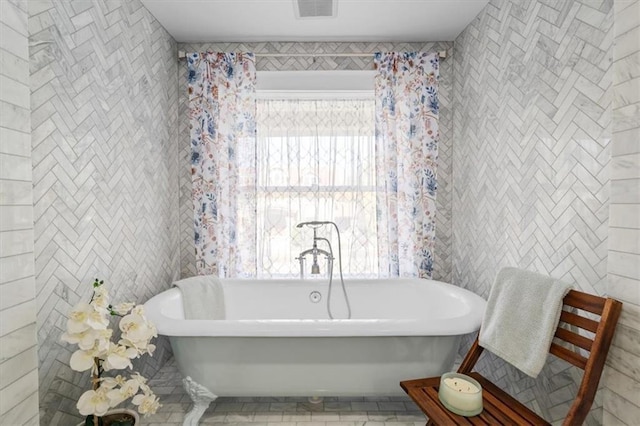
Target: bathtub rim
x,y
457,325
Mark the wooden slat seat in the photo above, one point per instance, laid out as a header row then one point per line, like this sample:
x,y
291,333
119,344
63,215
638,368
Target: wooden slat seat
x,y
502,409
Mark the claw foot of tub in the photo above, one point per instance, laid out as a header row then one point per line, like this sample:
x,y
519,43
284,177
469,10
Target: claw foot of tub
x,y
201,398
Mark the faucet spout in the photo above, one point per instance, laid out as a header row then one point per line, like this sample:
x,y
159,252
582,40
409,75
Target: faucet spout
x,y
314,251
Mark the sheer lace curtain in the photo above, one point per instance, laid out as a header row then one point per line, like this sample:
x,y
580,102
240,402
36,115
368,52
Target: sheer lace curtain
x,y
315,161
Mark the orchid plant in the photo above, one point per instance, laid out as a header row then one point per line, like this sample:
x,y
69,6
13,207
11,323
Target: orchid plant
x,y
88,327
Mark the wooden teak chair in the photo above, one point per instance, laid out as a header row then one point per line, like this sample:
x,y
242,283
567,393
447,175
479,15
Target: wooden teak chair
x,y
501,408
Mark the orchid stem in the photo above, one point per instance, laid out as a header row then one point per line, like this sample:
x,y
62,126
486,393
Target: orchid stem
x,y
96,383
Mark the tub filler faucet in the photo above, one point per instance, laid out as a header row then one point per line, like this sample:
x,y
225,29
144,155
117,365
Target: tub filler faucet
x,y
315,268
315,252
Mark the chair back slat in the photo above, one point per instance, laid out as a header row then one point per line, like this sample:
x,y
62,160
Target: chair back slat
x,y
584,301
573,338
568,355
578,321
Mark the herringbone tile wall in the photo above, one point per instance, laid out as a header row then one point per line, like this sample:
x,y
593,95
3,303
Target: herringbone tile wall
x,y
105,162
532,125
442,267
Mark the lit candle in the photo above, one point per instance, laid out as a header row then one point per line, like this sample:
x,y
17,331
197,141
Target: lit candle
x,y
460,394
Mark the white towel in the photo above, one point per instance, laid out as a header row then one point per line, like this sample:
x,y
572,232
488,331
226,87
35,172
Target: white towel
x,y
521,316
202,297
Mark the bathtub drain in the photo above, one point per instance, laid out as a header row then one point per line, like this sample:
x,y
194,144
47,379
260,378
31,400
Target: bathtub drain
x,y
315,296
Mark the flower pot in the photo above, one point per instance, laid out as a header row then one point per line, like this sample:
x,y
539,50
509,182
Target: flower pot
x,y
117,417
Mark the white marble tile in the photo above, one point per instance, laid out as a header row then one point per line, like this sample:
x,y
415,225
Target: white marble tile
x,y
626,191
18,366
624,240
17,342
22,413
16,217
590,15
624,264
626,68
625,19
16,267
627,93
623,288
624,410
15,168
624,216
627,43
18,391
14,17
14,92
625,166
14,67
38,6
39,22
14,142
621,384
17,292
16,193
17,317
15,117
630,316
627,338
13,42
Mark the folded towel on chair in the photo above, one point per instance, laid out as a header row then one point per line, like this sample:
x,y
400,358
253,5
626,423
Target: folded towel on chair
x,y
202,297
521,317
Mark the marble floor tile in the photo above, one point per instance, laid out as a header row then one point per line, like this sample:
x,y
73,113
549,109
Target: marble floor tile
x,y
279,411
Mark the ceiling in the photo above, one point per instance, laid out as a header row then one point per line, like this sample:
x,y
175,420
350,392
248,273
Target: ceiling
x,y
275,20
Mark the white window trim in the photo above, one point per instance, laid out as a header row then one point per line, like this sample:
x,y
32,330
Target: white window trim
x,y
314,94
339,84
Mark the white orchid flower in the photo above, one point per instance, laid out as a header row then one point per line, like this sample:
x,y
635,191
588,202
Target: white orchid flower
x,y
124,308
136,332
126,391
77,322
138,310
138,378
151,349
112,382
100,299
119,357
98,340
81,360
88,327
93,402
98,320
147,403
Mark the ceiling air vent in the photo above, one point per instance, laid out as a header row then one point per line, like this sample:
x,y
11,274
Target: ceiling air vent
x,y
315,8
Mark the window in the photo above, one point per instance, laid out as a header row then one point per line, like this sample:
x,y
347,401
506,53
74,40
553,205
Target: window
x,y
315,161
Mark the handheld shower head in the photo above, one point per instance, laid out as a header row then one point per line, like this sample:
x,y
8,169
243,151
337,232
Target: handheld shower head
x,y
314,223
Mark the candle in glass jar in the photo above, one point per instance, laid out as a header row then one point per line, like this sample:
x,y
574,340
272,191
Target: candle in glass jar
x,y
460,394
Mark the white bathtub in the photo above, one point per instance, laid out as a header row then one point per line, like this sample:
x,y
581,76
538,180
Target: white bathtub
x,y
274,341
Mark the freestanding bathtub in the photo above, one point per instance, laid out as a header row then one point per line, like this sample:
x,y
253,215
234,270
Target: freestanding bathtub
x,y
276,338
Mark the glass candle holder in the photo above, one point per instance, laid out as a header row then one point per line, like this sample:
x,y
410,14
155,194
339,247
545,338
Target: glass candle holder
x,y
460,394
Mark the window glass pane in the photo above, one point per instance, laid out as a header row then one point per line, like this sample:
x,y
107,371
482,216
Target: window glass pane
x,y
315,161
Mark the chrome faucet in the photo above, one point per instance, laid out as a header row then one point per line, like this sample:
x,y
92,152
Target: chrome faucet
x,y
315,252
315,268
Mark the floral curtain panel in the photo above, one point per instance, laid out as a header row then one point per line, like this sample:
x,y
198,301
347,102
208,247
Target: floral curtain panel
x,y
222,111
406,92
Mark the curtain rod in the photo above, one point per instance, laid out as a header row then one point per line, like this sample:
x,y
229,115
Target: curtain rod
x,y
442,54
